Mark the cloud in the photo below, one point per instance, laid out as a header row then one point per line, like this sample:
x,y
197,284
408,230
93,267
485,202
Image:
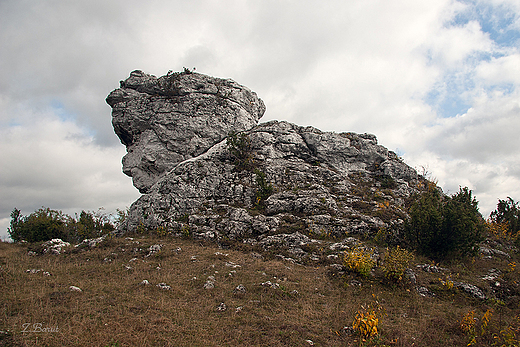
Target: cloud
x,y
54,163
437,81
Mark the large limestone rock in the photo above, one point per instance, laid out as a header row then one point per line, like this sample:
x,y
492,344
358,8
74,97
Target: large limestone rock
x,y
271,178
163,121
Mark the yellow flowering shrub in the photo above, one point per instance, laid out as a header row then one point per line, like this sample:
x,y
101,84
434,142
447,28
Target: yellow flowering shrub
x,y
358,260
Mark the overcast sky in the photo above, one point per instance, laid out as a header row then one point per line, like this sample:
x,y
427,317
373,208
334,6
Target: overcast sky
x,y
438,82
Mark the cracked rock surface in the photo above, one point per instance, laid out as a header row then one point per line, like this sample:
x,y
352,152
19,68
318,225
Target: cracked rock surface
x,y
287,179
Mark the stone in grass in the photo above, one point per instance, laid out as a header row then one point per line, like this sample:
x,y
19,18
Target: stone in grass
x,y
221,307
270,284
164,286
144,283
75,289
240,289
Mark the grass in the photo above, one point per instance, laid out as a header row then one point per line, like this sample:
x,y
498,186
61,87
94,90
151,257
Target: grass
x,y
311,302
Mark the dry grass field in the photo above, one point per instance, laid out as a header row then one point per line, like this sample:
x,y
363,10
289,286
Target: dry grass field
x,y
237,297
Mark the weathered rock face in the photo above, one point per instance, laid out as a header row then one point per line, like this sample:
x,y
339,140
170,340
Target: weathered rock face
x,y
272,178
163,121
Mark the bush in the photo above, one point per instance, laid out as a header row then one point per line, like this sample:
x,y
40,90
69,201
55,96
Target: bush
x,y
46,224
359,260
240,148
396,261
42,225
445,227
264,189
367,318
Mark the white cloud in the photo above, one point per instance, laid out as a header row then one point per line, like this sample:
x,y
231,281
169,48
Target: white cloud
x,y
55,164
367,66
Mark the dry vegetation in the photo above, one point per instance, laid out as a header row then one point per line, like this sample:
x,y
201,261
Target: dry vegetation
x,y
307,304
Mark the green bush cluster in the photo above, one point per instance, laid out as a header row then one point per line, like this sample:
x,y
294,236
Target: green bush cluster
x,y
445,227
46,224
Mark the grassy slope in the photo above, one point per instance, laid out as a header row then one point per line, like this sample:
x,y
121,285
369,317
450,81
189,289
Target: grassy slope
x,y
114,310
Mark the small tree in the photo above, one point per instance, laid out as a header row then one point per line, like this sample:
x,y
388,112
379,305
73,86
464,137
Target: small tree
x,y
41,225
240,148
445,227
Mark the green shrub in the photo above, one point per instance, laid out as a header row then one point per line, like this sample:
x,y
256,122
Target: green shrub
x,y
264,189
42,225
506,217
240,148
46,224
445,227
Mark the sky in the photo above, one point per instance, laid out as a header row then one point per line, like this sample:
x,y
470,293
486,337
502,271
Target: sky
x,y
437,82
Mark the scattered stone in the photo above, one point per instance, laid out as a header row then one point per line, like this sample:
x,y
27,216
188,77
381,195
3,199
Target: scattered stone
x,y
423,291
270,284
128,267
133,259
107,260
356,283
47,273
31,253
348,330
295,292
410,275
257,256
239,309
33,271
144,283
232,265
153,249
221,254
232,273
431,268
492,275
310,342
221,307
75,289
471,289
337,267
178,250
489,252
90,243
54,246
240,289
345,244
210,283
193,258
164,286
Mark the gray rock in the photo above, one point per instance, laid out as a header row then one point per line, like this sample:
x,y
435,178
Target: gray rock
x,y
240,289
283,179
489,252
164,286
471,289
54,246
221,307
410,275
164,121
90,243
423,291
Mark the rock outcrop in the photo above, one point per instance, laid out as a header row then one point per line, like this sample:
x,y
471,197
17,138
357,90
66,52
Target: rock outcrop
x,y
207,168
